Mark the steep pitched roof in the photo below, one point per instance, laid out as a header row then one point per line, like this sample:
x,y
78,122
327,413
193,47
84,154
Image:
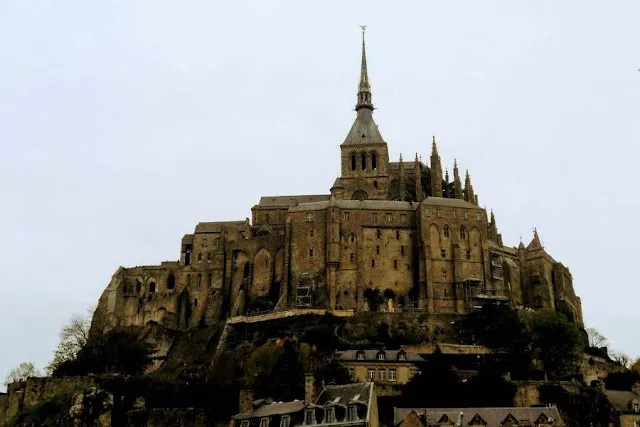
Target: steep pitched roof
x,y
275,408
358,392
372,355
273,201
494,417
364,130
622,400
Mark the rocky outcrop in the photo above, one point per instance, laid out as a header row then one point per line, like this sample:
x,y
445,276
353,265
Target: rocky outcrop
x,y
92,408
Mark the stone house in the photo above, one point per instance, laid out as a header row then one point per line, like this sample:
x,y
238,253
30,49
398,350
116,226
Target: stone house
x,y
404,232
388,369
486,417
626,405
330,405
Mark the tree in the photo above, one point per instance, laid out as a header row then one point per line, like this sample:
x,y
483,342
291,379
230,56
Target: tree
x,y
636,366
596,339
558,342
621,359
21,373
73,337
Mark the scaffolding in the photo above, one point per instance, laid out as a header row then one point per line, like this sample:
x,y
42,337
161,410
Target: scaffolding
x,y
304,291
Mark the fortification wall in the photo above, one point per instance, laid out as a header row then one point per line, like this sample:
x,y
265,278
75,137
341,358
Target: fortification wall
x,y
26,394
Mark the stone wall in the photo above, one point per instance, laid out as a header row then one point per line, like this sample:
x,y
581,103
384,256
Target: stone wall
x,y
26,394
162,417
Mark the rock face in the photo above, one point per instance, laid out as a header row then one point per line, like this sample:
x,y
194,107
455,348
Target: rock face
x,y
92,408
178,417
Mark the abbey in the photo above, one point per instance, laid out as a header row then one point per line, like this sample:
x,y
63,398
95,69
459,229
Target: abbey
x,y
389,236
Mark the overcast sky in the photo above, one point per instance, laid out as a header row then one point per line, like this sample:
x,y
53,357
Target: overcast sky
x,y
123,124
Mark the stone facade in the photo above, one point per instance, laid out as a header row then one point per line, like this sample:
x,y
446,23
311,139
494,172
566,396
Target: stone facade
x,y
389,235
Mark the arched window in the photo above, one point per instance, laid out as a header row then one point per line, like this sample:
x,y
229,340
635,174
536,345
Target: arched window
x,y
352,238
152,287
463,233
374,161
364,161
171,281
447,231
353,162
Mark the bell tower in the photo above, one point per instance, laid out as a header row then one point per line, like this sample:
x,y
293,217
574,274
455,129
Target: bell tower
x,y
364,154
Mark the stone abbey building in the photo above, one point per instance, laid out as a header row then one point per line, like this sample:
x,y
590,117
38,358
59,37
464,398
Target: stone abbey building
x,y
391,236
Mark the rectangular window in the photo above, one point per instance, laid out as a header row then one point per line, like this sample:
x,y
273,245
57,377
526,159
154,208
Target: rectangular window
x,y
373,216
468,253
311,233
264,422
392,374
379,234
346,215
427,211
373,263
438,212
454,213
372,374
389,217
310,216
330,415
478,216
309,417
377,250
397,234
310,254
443,253
285,421
382,374
352,257
402,250
208,256
395,264
446,293
403,218
244,423
352,413
466,215
351,373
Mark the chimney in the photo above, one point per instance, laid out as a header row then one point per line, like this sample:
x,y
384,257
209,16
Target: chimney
x,y
246,401
309,388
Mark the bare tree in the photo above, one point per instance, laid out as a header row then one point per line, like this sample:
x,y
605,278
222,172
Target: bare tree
x,y
621,359
73,336
21,373
596,339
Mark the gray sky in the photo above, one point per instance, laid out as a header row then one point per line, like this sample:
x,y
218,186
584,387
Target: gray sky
x,y
125,123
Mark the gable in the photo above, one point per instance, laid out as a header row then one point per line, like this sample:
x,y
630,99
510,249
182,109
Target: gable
x,y
477,421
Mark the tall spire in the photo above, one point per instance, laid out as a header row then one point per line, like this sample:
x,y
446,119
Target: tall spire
x,y
468,189
402,192
436,171
457,184
364,89
418,178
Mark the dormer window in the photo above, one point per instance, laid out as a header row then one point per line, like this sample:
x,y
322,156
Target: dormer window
x,y
636,407
264,422
360,355
330,415
352,413
244,423
285,421
309,417
381,355
402,356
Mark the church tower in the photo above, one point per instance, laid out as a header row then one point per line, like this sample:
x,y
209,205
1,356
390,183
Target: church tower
x,y
364,153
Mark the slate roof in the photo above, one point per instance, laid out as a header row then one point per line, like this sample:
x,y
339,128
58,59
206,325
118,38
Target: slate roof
x,y
272,201
492,416
217,227
358,392
380,205
372,355
275,408
364,130
621,400
443,201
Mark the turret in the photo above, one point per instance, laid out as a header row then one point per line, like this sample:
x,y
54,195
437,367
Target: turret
x,y
457,185
436,171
